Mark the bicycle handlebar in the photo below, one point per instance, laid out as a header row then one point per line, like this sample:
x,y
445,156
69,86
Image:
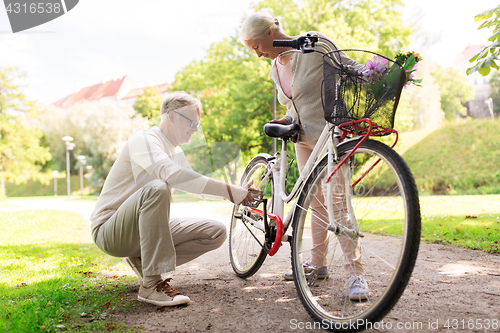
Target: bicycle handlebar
x,y
287,43
298,44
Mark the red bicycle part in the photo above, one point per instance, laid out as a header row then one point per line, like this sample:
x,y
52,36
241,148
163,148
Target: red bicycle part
x,y
363,139
368,132
279,228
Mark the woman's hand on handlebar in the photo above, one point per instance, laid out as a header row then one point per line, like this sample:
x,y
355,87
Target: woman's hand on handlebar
x,y
281,121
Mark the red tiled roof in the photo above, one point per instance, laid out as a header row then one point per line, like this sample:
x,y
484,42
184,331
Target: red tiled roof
x,y
471,51
107,89
97,91
164,87
462,62
133,93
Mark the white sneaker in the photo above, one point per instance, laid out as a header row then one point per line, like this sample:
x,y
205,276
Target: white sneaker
x,y
161,295
358,288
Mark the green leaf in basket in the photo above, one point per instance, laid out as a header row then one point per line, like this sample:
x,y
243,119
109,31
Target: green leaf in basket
x,y
393,77
378,89
410,62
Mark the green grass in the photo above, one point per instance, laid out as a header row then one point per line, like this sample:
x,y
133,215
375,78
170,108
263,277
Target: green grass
x,y
472,222
36,188
52,273
459,158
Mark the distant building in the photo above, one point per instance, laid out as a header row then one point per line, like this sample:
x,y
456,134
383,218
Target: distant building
x,y
116,90
476,108
132,95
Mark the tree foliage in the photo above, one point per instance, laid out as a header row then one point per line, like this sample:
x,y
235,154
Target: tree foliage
x,y
99,129
495,92
21,154
455,91
148,104
486,59
234,86
375,25
236,95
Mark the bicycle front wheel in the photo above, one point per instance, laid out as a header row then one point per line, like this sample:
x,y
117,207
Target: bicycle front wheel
x,y
247,243
376,207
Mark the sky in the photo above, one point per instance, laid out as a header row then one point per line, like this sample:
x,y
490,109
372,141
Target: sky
x,y
151,40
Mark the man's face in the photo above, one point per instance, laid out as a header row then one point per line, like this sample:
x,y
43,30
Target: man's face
x,y
187,121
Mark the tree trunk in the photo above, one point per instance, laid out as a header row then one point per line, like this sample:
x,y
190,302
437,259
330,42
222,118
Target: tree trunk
x,y
232,172
2,179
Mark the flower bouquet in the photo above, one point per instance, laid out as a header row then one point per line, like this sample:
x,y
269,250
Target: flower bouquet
x,y
384,76
352,91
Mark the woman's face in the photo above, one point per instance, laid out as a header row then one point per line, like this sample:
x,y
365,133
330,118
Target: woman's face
x,y
263,46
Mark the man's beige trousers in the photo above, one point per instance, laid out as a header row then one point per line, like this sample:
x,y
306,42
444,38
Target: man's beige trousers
x,y
142,227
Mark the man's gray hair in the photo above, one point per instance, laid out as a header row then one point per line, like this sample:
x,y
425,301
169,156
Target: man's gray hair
x,y
179,99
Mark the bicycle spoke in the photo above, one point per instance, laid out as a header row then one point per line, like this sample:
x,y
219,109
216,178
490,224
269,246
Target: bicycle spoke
x,y
383,202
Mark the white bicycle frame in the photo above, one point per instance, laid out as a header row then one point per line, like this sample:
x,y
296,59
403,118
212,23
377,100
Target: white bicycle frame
x,y
326,144
278,167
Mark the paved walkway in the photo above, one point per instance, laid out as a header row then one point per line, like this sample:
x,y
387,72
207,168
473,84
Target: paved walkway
x,y
448,283
217,210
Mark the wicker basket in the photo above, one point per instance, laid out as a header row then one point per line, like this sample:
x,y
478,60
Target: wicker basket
x,y
351,92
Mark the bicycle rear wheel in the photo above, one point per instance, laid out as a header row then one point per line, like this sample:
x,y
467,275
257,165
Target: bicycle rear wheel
x,y
380,200
247,243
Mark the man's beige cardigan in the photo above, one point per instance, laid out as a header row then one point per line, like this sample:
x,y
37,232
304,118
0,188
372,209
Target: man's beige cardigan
x,y
306,106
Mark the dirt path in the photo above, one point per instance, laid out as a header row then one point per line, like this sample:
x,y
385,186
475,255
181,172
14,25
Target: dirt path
x,y
449,284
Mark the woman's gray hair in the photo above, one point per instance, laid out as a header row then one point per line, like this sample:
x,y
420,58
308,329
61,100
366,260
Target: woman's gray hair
x,y
258,25
179,99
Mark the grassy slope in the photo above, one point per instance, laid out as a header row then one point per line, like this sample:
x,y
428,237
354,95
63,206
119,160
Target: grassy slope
x,y
459,158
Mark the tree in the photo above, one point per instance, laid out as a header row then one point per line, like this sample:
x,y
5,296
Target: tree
x,y
99,129
495,92
148,104
455,91
21,155
425,100
485,60
375,25
237,99
234,86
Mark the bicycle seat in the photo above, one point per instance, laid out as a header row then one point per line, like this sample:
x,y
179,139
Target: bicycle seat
x,y
284,132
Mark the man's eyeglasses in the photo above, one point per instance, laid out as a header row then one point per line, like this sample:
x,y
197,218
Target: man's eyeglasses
x,y
192,123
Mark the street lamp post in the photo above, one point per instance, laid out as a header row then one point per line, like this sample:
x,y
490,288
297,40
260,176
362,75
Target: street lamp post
x,y
82,161
56,174
69,146
89,167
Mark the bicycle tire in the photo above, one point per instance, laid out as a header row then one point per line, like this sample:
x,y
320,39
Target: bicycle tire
x,y
247,249
385,197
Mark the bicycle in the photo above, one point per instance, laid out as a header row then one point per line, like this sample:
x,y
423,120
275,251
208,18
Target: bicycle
x,y
368,189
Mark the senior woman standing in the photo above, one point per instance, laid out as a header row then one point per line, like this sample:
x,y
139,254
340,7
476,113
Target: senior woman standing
x,y
298,78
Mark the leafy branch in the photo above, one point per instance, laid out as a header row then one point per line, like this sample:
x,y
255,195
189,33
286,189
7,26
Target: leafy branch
x,y
485,60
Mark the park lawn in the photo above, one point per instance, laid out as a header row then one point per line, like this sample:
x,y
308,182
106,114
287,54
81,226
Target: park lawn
x,y
52,275
472,222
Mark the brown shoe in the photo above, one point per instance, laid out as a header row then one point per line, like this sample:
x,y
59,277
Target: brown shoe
x,y
161,295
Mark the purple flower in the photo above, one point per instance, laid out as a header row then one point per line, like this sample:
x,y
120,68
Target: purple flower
x,y
377,66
